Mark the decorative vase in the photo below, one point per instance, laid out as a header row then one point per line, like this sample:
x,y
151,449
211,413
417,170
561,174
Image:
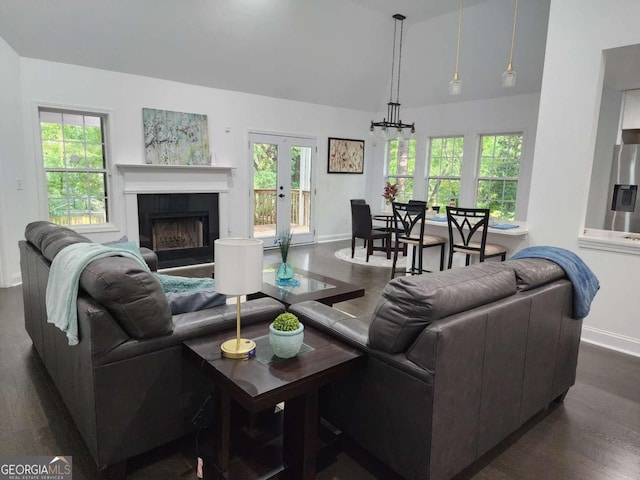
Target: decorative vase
x,y
285,272
286,344
388,207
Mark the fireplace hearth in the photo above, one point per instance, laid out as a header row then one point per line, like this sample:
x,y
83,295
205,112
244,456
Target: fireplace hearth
x,y
179,227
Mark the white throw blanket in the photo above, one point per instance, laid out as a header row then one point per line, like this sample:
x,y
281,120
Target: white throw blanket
x,y
64,277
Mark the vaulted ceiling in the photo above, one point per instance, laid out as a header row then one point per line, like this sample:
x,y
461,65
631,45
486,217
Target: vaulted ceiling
x,y
331,52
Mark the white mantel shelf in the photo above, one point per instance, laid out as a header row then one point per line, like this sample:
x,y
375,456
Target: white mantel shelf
x,y
145,178
123,167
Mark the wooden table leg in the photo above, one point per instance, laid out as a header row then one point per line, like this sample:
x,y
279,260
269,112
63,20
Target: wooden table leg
x,y
300,436
222,430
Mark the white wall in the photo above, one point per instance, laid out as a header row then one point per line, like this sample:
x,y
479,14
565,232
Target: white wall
x,y
565,145
606,138
124,96
12,201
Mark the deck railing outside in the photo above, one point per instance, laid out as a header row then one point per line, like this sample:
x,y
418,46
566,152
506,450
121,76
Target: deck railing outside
x,y
265,207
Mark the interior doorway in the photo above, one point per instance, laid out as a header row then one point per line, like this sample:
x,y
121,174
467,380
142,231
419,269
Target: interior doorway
x,y
283,194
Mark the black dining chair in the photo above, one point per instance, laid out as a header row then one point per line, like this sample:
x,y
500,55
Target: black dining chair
x,y
464,224
362,227
409,230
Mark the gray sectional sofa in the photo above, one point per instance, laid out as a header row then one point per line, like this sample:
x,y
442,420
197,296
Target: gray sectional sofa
x,y
126,383
456,361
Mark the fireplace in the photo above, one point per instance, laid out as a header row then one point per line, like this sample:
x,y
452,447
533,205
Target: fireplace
x,y
179,227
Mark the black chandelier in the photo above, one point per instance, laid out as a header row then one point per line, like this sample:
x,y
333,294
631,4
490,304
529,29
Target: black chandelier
x,y
392,120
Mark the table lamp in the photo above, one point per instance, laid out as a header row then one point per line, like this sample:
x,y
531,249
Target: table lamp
x,y
238,271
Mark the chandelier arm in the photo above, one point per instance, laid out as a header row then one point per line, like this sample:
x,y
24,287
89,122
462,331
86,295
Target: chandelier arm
x,y
513,33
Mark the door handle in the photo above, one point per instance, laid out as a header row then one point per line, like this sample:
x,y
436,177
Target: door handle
x,y
281,195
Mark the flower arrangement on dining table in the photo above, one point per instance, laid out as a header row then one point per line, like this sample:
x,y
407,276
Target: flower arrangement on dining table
x,y
390,192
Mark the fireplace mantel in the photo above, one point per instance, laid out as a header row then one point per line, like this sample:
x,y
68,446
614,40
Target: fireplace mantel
x,y
143,178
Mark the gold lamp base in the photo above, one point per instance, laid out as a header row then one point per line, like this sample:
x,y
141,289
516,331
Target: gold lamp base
x,y
238,348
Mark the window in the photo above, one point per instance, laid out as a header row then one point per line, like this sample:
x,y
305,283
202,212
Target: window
x,y
401,162
74,159
499,168
445,169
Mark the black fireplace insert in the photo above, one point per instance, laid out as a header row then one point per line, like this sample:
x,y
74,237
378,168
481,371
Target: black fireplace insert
x,y
179,227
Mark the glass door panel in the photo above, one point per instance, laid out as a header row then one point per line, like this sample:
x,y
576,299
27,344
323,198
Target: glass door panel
x,y
265,178
282,187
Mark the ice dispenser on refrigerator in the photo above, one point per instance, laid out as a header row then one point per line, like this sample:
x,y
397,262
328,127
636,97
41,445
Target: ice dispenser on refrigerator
x,y
624,213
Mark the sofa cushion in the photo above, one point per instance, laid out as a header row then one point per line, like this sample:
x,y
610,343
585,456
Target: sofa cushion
x,y
131,293
533,272
408,304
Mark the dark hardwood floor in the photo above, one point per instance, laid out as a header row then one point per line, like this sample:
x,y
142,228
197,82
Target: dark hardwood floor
x,y
593,435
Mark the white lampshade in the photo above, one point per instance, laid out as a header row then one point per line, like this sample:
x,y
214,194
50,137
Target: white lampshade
x,y
238,265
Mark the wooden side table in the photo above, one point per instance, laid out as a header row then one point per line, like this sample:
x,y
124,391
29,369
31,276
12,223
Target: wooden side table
x,y
263,382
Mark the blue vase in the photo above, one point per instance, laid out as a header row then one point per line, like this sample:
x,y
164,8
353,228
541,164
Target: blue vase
x,y
285,272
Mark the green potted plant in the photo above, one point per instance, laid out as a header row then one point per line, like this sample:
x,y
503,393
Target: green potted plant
x,y
286,335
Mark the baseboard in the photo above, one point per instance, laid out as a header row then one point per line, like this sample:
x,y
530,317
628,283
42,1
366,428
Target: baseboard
x,y
334,238
612,341
14,280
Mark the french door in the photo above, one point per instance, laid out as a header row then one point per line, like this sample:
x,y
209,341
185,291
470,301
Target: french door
x,y
282,187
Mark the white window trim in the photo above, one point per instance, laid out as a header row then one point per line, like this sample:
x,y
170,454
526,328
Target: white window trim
x,y
520,200
427,177
115,215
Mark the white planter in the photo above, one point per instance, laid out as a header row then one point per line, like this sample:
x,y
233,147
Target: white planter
x,y
286,344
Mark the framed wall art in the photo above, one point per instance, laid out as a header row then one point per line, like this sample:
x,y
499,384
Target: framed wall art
x,y
175,138
345,156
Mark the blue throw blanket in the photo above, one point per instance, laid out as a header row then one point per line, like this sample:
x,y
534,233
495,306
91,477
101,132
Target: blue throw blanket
x,y
585,283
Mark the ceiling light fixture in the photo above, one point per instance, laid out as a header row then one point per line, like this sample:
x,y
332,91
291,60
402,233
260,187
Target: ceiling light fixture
x,y
509,75
455,85
392,120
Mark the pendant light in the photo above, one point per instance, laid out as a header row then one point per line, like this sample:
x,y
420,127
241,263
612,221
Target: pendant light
x,y
509,75
455,85
391,124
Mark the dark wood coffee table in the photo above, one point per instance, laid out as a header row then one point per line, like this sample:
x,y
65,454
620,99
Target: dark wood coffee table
x,y
262,382
313,286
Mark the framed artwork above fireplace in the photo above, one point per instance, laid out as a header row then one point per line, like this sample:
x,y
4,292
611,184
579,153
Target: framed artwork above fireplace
x,y
175,138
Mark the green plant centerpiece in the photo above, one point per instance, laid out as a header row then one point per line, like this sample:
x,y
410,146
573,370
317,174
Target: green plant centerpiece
x,y
286,335
285,272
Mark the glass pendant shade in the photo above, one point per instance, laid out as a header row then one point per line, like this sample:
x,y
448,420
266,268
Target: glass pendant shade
x,y
455,85
509,76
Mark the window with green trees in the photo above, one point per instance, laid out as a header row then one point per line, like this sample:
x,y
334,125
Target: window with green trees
x,y
445,169
401,162
74,159
498,172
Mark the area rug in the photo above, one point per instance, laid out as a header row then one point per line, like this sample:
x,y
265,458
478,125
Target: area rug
x,y
377,259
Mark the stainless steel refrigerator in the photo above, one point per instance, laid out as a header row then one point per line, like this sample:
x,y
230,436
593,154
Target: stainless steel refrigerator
x,y
623,214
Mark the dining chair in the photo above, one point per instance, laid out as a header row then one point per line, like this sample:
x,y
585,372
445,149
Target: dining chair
x,y
409,230
464,224
362,227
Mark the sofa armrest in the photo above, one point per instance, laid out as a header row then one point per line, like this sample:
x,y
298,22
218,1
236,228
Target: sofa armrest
x,y
352,330
150,258
355,332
